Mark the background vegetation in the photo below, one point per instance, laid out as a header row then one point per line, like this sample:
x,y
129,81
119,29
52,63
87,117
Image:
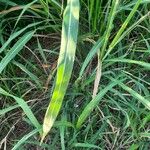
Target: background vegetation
x,y
106,54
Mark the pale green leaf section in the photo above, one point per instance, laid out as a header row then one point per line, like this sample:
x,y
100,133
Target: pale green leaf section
x,y
86,145
65,63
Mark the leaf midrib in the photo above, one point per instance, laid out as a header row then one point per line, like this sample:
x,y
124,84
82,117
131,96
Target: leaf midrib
x,y
69,31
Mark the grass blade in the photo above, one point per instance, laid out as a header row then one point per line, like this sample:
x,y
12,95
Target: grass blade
x,y
8,2
22,12
15,50
14,35
140,98
93,103
109,25
86,145
144,101
140,63
10,108
123,27
90,55
24,107
30,74
132,27
22,140
65,63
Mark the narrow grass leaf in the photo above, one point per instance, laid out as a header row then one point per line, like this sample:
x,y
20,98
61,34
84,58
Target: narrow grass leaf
x,y
6,110
140,98
140,63
123,27
8,2
93,103
30,74
145,120
132,27
56,3
90,55
64,123
132,3
16,34
15,50
62,132
41,51
109,25
126,22
128,122
24,9
23,140
24,107
86,145
65,63
145,135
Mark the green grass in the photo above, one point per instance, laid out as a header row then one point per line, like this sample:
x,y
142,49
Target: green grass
x,y
96,96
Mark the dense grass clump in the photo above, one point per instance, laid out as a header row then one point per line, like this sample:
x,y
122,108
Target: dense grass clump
x,y
75,74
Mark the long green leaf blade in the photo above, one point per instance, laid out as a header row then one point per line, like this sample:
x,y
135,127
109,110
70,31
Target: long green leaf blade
x,y
86,146
65,63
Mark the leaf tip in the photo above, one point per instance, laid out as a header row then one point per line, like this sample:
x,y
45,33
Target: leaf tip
x,y
42,137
